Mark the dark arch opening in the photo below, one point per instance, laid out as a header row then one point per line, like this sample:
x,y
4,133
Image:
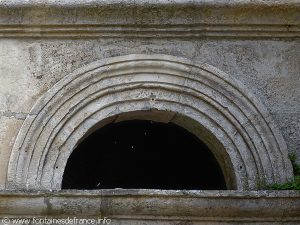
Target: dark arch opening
x,y
142,154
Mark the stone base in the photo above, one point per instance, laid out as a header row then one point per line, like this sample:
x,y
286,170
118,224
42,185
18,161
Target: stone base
x,y
151,207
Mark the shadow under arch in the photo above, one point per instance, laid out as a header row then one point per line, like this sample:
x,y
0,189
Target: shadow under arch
x,y
215,101
148,150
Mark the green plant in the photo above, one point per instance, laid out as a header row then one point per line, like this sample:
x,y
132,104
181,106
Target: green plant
x,y
296,166
295,183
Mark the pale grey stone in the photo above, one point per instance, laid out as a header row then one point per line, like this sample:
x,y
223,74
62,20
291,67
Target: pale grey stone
x,y
234,78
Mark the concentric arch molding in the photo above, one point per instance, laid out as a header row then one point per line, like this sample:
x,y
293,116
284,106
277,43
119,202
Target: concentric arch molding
x,y
206,101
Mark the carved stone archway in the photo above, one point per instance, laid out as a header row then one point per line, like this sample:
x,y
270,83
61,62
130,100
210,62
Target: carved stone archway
x,y
215,107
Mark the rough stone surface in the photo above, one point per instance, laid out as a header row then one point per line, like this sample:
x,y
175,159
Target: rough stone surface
x,y
228,71
254,42
212,105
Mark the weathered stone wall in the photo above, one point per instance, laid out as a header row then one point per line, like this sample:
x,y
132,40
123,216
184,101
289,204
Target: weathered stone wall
x,y
255,43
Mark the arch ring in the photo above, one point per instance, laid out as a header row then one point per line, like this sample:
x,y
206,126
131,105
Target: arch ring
x,y
217,108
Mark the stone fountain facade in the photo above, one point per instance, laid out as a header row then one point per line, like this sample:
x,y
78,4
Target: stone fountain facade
x,y
227,71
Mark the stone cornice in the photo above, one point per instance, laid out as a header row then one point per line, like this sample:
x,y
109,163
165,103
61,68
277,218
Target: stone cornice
x,y
150,19
163,31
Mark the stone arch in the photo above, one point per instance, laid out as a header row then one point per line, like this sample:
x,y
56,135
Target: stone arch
x,y
206,101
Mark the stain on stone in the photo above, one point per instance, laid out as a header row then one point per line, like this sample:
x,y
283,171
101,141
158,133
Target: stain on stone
x,y
49,207
16,115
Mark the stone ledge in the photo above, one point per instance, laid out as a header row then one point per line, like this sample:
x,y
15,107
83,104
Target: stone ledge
x,y
120,204
159,31
94,3
150,19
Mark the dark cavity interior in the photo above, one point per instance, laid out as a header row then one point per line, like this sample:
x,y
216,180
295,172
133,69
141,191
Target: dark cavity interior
x,y
141,154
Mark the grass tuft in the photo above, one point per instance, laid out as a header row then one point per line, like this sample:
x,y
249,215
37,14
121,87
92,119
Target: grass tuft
x,y
295,183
